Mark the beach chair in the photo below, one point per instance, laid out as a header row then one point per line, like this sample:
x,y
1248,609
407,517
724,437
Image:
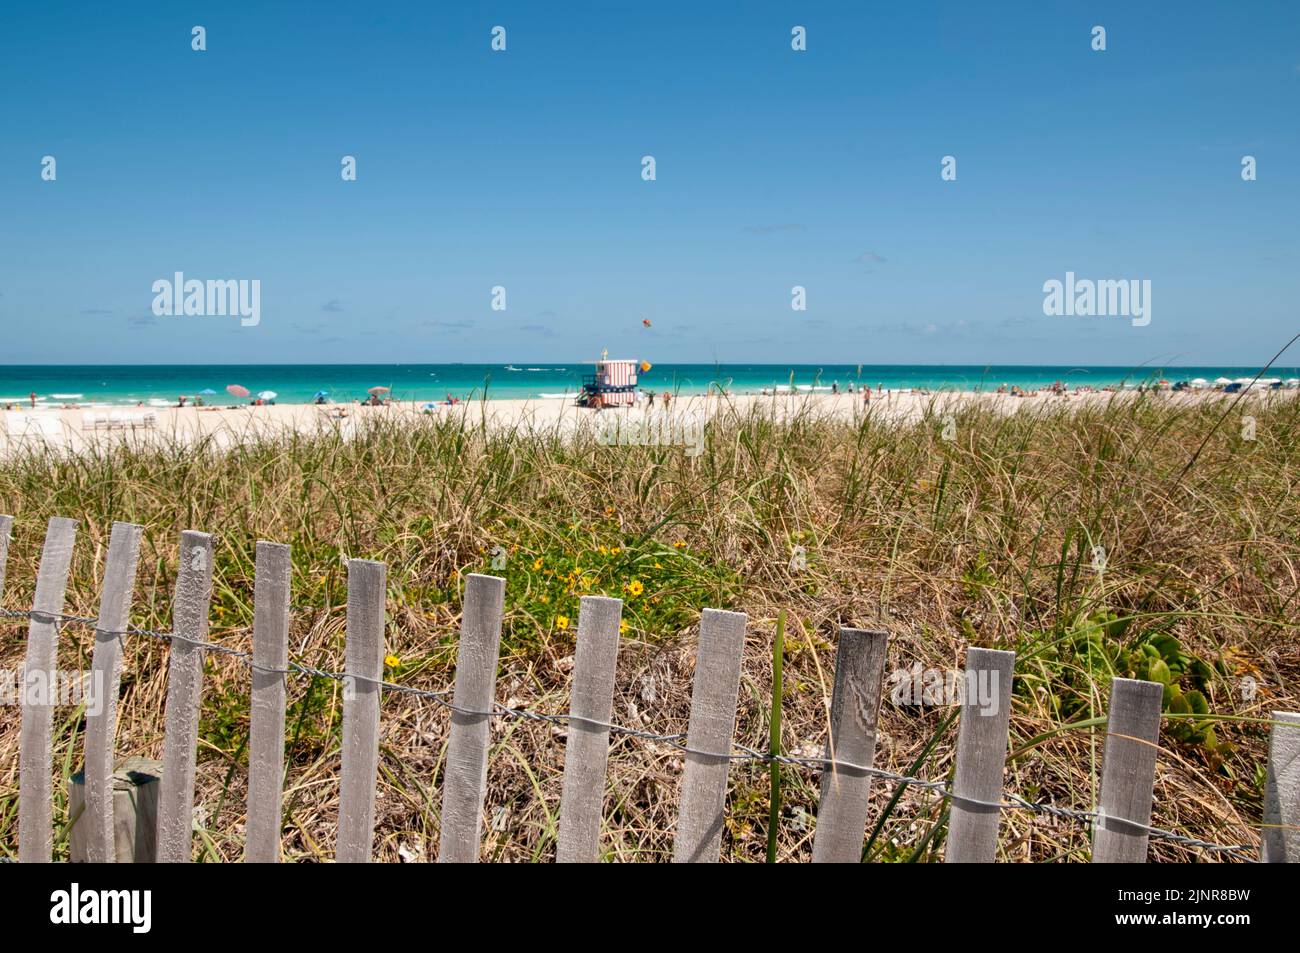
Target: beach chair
x,y
122,420
44,428
92,420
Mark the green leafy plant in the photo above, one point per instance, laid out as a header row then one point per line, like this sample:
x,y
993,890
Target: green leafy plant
x,y
1092,650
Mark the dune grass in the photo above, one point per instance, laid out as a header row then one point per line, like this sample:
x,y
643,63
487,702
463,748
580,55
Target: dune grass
x,y
1075,535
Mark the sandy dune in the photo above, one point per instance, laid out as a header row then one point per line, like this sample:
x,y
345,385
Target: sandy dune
x,y
77,430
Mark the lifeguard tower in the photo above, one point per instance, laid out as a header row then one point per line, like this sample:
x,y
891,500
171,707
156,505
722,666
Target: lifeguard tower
x,y
612,385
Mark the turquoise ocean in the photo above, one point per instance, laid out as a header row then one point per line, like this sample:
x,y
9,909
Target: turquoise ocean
x,y
157,385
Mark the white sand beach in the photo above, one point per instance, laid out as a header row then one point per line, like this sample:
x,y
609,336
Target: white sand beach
x,y
80,429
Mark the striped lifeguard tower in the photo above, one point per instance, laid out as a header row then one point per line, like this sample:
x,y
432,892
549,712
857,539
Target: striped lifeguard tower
x,y
613,384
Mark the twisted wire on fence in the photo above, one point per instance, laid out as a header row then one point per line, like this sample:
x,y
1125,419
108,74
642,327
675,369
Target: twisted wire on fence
x,y
740,752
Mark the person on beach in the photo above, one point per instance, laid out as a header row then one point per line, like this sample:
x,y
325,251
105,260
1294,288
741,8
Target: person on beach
x,y
667,399
32,398
650,399
835,387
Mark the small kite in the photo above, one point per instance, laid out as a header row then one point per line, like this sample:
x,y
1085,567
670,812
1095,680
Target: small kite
x,y
645,322
645,366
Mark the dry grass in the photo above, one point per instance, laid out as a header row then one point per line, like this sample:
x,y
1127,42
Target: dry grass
x,y
983,540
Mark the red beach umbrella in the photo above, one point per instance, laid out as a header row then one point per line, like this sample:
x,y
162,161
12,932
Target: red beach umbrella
x,y
376,391
236,390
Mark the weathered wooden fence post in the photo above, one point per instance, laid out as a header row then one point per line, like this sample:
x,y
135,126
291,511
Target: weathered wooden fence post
x,y
6,527
184,698
1128,771
1280,841
855,709
96,824
981,756
133,795
464,778
38,690
698,838
367,597
266,728
586,752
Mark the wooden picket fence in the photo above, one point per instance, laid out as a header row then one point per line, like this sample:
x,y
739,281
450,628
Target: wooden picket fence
x,y
1121,825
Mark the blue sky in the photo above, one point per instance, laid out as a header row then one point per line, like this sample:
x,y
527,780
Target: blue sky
x,y
775,168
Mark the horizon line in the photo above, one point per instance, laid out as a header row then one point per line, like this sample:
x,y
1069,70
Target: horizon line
x,y
984,364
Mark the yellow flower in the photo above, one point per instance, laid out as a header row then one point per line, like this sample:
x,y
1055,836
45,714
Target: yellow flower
x,y
635,588
609,511
602,550
680,544
537,564
615,551
392,661
544,598
623,627
657,566
561,622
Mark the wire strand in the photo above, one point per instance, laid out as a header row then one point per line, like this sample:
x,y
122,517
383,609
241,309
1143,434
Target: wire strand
x,y
677,742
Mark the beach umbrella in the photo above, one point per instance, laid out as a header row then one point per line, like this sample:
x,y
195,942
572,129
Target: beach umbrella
x,y
267,395
319,394
376,391
1222,380
207,392
236,390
